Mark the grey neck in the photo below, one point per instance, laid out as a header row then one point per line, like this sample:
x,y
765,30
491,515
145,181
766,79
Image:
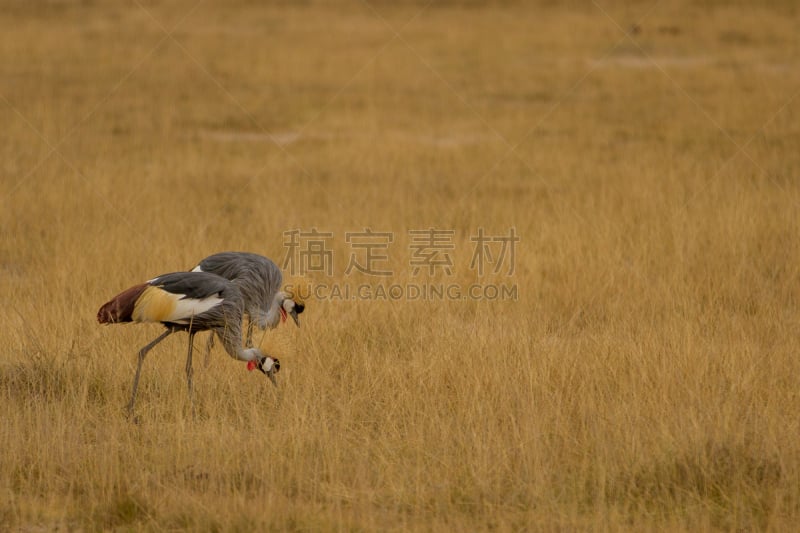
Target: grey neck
x,y
231,338
273,316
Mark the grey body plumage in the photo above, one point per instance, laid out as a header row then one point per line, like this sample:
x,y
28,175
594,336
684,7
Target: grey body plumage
x,y
259,280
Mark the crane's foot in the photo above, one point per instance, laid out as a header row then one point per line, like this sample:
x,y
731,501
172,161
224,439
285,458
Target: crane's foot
x,y
135,419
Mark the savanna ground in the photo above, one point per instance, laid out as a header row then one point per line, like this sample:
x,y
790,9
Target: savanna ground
x,y
646,378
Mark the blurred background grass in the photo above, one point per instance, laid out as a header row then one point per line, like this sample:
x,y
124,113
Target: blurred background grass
x,y
645,379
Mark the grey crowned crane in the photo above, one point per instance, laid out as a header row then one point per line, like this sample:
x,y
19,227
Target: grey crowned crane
x,y
191,302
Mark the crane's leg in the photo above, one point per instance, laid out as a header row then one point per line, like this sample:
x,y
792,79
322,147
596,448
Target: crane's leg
x,y
249,339
209,346
189,369
142,353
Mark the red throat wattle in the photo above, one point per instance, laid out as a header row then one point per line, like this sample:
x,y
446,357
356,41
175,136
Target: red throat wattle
x,y
283,314
251,365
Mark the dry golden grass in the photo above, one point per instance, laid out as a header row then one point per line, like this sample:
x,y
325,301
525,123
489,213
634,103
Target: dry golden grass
x,y
646,379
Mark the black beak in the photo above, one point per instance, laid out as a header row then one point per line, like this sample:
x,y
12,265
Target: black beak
x,y
271,375
274,369
293,312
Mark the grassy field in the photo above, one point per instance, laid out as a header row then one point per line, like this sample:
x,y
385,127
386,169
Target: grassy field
x,y
646,153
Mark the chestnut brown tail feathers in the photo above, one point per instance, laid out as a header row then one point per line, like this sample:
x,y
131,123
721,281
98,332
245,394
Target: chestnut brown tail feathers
x,y
120,308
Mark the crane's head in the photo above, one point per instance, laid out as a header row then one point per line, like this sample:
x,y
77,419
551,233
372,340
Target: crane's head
x,y
293,303
269,366
290,307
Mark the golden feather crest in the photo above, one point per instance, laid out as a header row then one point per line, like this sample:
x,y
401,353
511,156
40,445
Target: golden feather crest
x,y
278,342
298,288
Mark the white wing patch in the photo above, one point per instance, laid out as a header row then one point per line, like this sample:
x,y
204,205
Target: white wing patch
x,y
186,308
197,269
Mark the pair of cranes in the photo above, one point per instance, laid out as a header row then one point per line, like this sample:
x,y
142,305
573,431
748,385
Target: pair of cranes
x,y
215,296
